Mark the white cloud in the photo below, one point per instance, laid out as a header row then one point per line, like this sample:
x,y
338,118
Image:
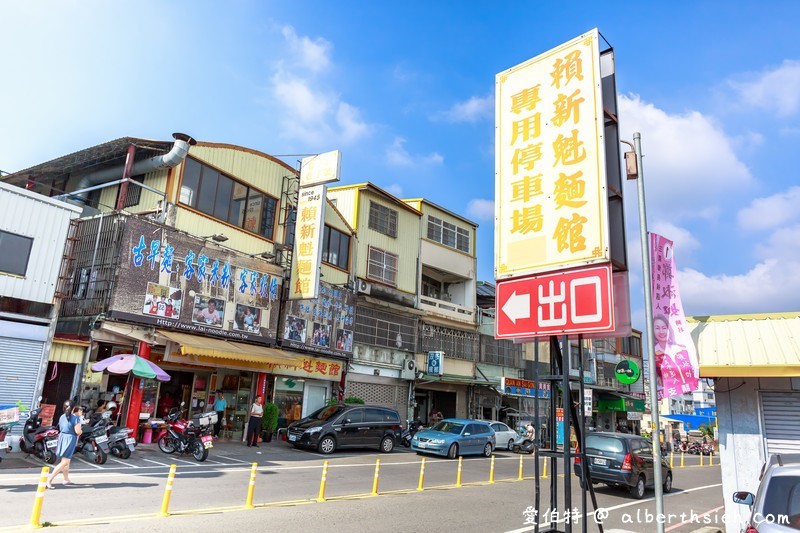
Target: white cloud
x,y
776,90
772,211
471,110
395,188
690,165
397,155
684,242
313,54
299,98
481,209
349,119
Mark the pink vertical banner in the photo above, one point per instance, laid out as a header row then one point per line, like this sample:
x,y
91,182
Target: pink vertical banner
x,y
675,354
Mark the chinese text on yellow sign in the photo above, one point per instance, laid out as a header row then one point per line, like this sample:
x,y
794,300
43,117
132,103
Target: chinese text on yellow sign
x,y
308,242
551,206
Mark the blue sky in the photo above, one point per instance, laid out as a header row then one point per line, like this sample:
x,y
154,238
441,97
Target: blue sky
x,y
406,92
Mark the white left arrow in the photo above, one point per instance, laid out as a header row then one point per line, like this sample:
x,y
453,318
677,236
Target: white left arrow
x,y
518,306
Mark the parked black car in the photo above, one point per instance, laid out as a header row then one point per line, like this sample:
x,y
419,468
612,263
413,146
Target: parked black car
x,y
347,426
620,459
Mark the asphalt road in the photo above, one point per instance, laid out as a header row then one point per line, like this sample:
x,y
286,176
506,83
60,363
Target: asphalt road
x,y
288,484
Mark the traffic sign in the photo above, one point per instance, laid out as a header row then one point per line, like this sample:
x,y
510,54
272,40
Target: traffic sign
x,y
557,303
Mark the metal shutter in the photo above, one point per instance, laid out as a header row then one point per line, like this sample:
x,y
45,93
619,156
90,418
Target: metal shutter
x,y
781,411
19,368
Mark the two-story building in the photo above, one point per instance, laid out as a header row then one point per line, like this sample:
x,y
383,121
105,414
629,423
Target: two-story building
x,y
182,255
35,247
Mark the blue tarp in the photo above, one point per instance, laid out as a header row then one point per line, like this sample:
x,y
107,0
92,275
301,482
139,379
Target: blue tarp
x,y
692,421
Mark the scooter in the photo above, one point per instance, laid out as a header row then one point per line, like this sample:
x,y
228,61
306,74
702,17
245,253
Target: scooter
x,y
93,442
411,430
120,441
39,440
3,432
183,436
522,444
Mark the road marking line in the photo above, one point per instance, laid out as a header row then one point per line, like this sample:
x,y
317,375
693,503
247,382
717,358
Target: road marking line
x,y
155,462
183,461
694,519
126,465
87,462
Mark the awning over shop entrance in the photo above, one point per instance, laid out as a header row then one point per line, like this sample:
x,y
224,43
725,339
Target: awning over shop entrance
x,y
620,404
67,351
207,347
458,380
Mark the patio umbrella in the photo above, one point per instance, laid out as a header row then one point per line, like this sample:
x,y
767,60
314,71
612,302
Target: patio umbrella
x,y
125,363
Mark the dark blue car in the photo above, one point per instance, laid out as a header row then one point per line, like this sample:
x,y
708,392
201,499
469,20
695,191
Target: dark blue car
x,y
454,437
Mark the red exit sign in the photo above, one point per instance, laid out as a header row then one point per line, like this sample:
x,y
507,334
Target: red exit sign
x,y
566,302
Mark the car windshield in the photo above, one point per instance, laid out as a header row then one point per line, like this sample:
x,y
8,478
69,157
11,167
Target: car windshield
x,y
783,500
326,413
603,444
449,427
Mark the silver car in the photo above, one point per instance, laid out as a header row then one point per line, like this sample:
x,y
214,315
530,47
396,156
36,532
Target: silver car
x,y
775,508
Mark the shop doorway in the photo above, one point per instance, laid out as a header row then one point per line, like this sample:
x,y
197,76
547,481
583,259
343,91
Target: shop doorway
x,y
178,389
445,403
316,397
58,383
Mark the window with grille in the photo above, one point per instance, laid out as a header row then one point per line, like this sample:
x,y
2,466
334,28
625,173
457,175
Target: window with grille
x,y
448,234
382,266
134,193
335,247
382,219
381,328
455,343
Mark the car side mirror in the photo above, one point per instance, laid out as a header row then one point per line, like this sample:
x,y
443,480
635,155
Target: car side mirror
x,y
744,498
347,421
467,434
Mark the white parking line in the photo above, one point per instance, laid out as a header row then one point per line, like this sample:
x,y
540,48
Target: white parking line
x,y
87,462
155,462
123,464
183,461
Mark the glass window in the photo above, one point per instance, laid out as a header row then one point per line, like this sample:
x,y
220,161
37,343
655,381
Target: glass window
x,y
374,414
326,413
239,205
446,426
355,416
268,220
382,219
335,247
604,444
15,251
291,220
255,204
448,234
222,203
289,399
382,266
782,498
208,190
191,182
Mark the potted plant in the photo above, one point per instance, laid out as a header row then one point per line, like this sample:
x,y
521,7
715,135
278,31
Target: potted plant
x,y
269,421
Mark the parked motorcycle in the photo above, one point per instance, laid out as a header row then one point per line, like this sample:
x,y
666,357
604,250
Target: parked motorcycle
x,y
3,432
411,430
93,441
39,440
185,436
120,441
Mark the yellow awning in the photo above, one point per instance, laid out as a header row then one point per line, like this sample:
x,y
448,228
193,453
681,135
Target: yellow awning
x,y
203,347
64,351
755,345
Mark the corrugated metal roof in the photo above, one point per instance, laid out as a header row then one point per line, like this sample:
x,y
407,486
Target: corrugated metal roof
x,y
757,345
485,289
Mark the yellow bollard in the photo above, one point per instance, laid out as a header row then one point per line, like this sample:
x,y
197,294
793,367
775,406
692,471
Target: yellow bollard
x,y
519,478
252,487
377,475
421,485
37,503
701,458
168,491
545,467
711,459
682,454
491,472
321,497
458,476
671,459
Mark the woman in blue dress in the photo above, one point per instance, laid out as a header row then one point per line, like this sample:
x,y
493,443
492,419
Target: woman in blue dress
x,y
69,427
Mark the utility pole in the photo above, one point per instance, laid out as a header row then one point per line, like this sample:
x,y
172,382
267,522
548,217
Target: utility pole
x,y
655,433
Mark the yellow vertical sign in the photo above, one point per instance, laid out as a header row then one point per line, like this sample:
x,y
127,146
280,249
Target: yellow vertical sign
x,y
308,235
551,208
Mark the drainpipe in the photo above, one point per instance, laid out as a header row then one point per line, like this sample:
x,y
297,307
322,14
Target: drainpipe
x,y
171,159
126,174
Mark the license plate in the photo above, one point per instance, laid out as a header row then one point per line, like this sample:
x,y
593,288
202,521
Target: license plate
x,y
601,462
422,445
208,444
130,440
292,438
206,439
51,443
3,445
101,438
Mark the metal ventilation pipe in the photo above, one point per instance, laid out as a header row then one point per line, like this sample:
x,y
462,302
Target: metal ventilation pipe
x,y
171,159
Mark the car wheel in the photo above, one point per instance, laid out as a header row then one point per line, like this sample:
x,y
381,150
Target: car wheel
x,y
668,483
510,445
387,444
327,445
452,452
637,491
487,450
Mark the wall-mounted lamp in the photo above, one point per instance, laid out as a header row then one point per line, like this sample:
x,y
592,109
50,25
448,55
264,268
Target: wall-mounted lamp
x,y
217,237
269,256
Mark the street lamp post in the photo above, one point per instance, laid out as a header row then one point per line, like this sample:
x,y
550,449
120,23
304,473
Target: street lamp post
x,y
648,311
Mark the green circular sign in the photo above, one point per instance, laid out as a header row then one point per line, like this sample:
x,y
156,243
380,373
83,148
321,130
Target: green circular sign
x,y
627,372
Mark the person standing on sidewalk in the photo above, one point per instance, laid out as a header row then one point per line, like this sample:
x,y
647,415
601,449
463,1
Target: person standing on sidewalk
x,y
254,424
69,427
219,406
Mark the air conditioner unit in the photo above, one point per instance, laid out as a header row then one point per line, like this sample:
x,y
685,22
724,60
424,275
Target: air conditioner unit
x,y
362,286
409,370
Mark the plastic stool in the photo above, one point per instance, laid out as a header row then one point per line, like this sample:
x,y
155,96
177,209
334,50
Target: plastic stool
x,y
147,438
